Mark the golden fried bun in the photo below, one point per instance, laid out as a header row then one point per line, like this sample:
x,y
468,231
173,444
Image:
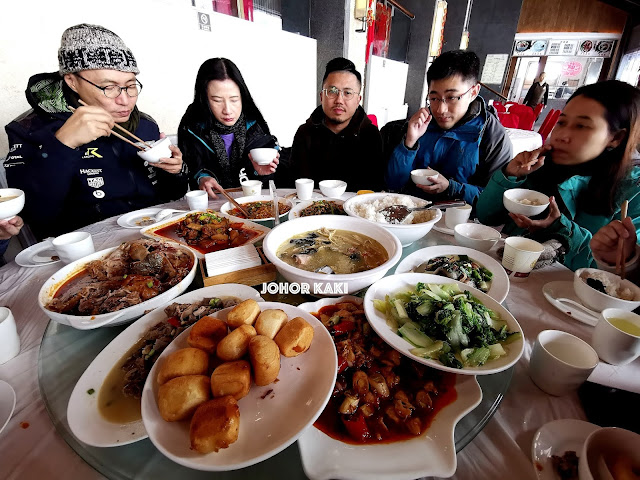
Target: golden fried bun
x,y
294,337
180,396
231,378
270,321
265,359
186,361
234,346
215,425
206,333
245,313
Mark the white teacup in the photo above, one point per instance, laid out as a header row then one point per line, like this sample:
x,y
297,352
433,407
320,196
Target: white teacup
x,y
520,256
9,339
456,215
616,336
73,246
251,187
197,199
304,188
561,362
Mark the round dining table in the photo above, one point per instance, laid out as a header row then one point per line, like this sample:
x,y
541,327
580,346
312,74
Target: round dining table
x,y
493,441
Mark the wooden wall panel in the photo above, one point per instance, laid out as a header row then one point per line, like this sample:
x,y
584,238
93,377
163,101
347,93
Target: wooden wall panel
x,y
570,16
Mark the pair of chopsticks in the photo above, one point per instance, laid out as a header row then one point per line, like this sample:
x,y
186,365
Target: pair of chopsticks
x,y
621,258
121,129
233,201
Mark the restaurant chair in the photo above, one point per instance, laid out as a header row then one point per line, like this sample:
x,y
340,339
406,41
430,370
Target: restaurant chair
x,y
508,120
548,123
537,110
499,107
525,116
373,119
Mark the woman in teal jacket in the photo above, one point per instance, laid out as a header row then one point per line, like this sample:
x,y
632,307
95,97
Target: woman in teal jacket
x,y
586,169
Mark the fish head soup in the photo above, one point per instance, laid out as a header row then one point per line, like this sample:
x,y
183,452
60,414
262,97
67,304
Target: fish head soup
x,y
332,251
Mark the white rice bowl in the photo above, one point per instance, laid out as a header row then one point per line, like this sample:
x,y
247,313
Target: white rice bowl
x,y
412,228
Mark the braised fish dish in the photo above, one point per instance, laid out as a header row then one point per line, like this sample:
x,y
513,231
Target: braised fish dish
x,y
458,267
131,274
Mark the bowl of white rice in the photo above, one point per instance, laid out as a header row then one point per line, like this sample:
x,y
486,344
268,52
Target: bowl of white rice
x,y
598,289
414,227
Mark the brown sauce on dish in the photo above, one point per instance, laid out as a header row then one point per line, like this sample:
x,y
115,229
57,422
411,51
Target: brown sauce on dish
x,y
413,382
113,404
70,282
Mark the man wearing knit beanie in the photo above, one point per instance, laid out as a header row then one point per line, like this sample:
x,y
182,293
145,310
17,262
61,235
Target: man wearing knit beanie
x,y
62,153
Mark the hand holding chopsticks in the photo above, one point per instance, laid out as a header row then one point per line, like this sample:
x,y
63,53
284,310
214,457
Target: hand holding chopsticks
x,y
621,256
232,200
124,130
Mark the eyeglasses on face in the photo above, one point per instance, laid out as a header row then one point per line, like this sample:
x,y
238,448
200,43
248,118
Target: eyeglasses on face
x,y
450,100
334,92
114,91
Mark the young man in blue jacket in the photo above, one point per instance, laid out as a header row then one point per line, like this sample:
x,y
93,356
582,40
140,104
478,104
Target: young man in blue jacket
x,y
466,143
72,170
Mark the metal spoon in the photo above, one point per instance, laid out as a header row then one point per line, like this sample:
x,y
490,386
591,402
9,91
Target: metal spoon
x,y
397,213
166,212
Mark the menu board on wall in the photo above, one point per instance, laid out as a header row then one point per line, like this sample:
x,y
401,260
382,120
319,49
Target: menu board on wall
x,y
529,48
595,48
562,47
494,67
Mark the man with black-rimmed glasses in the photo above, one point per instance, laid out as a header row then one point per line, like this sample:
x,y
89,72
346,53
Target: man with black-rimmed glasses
x,y
62,153
455,135
338,141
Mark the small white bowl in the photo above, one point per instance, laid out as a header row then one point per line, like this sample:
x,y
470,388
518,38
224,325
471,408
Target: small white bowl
x,y
10,208
512,198
406,233
476,236
421,176
158,149
321,283
267,222
597,300
263,156
608,452
333,188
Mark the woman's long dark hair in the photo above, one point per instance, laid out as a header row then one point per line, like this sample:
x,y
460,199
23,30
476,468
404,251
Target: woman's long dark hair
x,y
222,69
621,103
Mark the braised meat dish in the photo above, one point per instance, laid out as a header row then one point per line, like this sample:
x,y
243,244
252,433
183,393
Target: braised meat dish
x,y
180,316
132,273
380,396
212,232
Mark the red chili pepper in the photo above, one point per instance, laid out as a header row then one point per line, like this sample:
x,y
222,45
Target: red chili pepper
x,y
357,427
342,364
174,321
344,327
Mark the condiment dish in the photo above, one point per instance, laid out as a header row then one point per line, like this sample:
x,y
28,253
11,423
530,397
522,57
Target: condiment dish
x,y
597,300
263,156
332,188
11,202
513,198
476,236
421,176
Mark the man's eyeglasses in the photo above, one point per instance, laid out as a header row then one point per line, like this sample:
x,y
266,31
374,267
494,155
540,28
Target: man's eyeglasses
x,y
450,100
114,91
333,92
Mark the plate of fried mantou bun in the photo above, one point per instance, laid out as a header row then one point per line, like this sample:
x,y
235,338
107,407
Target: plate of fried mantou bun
x,y
240,386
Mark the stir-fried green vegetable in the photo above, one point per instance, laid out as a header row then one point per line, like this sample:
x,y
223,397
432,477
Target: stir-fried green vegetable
x,y
447,324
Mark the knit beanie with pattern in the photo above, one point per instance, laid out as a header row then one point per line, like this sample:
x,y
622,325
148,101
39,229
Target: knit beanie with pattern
x,y
92,47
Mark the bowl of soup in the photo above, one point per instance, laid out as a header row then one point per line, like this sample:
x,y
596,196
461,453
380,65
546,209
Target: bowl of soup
x,y
11,202
332,255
